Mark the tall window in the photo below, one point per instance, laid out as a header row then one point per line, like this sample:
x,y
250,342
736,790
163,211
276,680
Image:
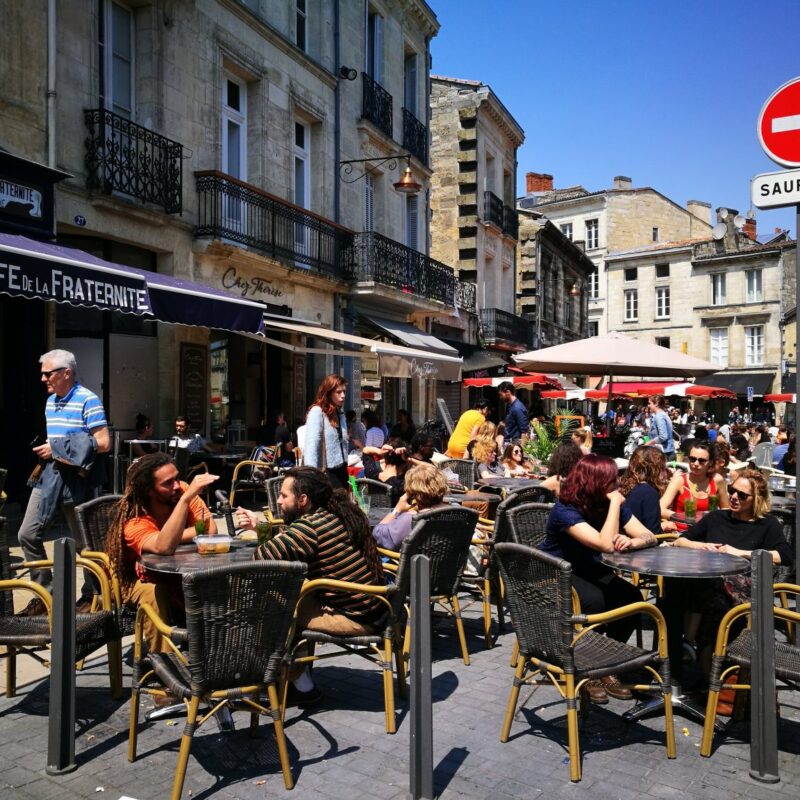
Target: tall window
x,y
592,234
374,54
234,145
655,234
567,313
718,338
662,302
753,282
631,305
410,83
369,203
754,345
592,327
594,284
302,171
566,229
718,297
117,47
412,221
300,26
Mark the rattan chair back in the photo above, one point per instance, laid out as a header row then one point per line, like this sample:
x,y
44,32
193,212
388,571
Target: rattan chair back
x,y
273,488
443,535
539,594
531,494
527,523
379,493
786,517
237,618
95,518
6,598
463,467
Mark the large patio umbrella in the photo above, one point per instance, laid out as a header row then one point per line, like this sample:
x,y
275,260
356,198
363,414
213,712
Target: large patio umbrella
x,y
518,379
780,398
581,394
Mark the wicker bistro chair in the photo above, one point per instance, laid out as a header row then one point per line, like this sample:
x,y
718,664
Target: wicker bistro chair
x,y
552,646
238,625
731,657
527,523
31,635
379,493
463,467
249,476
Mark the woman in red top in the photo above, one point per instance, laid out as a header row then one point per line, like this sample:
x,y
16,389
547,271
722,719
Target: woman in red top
x,y
701,482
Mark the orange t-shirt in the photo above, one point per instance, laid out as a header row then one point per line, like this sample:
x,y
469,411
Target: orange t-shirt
x,y
139,529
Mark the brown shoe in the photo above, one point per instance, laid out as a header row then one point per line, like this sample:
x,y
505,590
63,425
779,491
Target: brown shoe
x,y
596,692
162,701
36,608
615,689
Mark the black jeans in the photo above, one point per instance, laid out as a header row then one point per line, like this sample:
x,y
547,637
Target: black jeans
x,y
603,591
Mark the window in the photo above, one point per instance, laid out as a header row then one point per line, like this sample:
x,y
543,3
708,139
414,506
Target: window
x,y
567,313
234,145
753,282
655,234
369,202
566,229
631,274
374,54
754,345
631,305
662,302
412,221
662,270
410,84
301,20
594,284
593,327
117,47
719,346
302,171
718,289
592,234
662,341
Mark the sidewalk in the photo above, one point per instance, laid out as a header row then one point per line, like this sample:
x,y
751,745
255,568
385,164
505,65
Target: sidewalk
x,y
340,750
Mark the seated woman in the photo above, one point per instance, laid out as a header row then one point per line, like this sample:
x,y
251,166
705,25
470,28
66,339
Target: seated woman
x,y
560,464
487,431
425,488
484,453
394,465
583,439
746,526
642,485
586,521
144,430
699,483
284,451
514,462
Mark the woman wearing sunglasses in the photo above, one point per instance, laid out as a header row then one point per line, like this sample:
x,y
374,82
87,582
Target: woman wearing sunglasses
x,y
701,482
514,462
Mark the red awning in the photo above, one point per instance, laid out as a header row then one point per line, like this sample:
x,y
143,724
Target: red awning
x,y
669,389
518,378
780,398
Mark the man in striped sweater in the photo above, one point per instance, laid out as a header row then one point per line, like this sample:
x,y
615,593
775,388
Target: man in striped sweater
x,y
327,531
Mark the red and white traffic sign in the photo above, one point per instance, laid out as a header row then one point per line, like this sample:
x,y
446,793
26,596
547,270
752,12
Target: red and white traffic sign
x,y
779,125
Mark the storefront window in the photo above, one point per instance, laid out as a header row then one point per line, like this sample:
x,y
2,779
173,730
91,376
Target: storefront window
x,y
220,398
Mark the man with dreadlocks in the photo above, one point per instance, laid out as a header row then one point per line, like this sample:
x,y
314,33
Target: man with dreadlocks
x,y
331,534
156,513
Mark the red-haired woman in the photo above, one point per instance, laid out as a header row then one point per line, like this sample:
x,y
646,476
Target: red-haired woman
x,y
586,521
325,446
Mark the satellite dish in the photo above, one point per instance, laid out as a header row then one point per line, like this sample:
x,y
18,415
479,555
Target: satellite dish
x,y
751,214
723,213
719,231
739,220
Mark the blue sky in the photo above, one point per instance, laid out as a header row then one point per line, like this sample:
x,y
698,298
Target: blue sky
x,y
667,93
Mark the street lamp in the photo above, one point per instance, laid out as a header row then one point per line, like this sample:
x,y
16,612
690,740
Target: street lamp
x,y
407,183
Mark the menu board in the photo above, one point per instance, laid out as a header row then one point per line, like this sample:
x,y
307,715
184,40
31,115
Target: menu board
x,y
194,383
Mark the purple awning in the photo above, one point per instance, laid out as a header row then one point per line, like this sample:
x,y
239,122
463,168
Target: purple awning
x,y
44,271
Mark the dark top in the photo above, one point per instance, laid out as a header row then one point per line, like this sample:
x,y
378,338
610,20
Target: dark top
x,y
721,527
559,543
516,420
644,503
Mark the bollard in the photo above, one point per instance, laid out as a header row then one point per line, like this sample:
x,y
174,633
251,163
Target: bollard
x,y
763,722
421,739
61,728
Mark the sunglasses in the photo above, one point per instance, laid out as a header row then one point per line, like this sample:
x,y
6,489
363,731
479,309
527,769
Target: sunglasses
x,y
698,460
48,372
738,493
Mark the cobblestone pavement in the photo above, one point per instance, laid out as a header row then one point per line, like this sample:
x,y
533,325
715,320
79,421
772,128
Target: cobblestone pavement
x,y
340,750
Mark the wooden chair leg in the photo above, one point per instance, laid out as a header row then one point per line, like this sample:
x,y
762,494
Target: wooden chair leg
x,y
708,724
462,637
486,596
133,726
669,725
388,687
11,671
186,746
511,706
114,649
572,729
280,737
514,654
400,664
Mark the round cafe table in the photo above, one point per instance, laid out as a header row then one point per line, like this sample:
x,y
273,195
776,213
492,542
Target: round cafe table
x,y
510,484
186,559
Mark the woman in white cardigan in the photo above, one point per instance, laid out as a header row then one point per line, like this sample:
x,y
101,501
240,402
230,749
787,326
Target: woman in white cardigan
x,y
325,446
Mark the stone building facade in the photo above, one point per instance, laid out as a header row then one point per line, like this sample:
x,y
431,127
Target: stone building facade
x,y
611,220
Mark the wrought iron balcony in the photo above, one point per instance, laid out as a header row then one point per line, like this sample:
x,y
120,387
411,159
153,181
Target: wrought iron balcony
x,y
125,157
377,105
466,294
231,209
492,209
510,222
505,330
384,261
415,137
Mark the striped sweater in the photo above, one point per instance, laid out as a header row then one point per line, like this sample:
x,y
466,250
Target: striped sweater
x,y
320,540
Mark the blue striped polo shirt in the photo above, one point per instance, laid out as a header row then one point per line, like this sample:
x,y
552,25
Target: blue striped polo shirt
x,y
78,411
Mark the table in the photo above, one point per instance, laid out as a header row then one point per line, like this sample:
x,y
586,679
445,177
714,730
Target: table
x,y
510,484
186,559
475,497
784,503
674,562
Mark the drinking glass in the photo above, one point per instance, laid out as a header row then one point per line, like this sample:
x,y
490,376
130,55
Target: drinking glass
x,y
690,508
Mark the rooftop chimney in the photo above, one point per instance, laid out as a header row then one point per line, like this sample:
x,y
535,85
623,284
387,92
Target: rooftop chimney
x,y
700,210
623,182
749,228
538,182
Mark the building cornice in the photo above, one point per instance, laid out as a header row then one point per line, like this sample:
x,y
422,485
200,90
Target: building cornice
x,y
424,15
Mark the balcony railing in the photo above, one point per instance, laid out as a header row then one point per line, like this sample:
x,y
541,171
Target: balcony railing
x,y
377,105
125,157
466,294
493,209
510,222
498,326
389,263
415,137
233,210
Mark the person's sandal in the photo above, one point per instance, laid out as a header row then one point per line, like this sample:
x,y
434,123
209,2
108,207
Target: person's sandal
x,y
596,692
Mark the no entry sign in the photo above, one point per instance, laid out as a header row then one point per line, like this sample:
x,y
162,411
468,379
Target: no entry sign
x,y
779,125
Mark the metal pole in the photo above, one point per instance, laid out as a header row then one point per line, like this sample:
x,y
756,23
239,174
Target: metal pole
x,y
61,728
421,778
763,722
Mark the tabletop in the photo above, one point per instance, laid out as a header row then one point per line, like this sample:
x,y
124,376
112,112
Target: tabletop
x,y
677,562
474,497
512,484
186,559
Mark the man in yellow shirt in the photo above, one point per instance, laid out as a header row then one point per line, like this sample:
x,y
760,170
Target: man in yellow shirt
x,y
466,427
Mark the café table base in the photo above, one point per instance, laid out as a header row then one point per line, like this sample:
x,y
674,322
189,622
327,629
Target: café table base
x,y
681,704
